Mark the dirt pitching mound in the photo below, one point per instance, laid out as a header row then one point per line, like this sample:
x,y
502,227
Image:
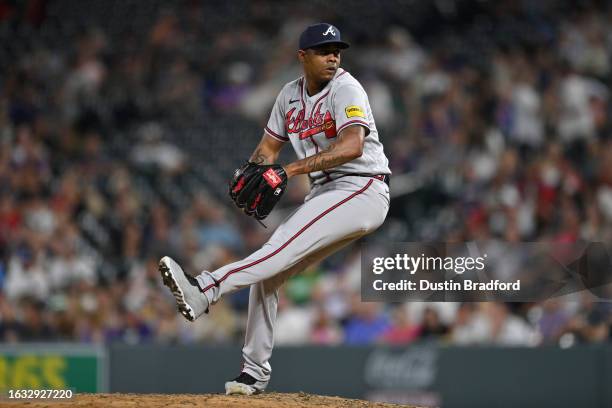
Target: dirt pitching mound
x,y
266,400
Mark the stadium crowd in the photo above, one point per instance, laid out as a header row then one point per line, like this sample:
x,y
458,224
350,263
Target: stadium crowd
x,y
118,132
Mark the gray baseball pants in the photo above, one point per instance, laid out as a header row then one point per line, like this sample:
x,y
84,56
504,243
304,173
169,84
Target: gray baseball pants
x,y
333,215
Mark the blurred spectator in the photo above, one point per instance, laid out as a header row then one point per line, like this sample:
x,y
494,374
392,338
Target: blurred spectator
x,y
506,329
35,324
402,331
553,321
293,322
152,151
26,275
367,323
469,326
325,331
11,329
431,326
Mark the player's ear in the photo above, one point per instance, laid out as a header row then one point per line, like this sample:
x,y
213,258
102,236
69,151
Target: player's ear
x,y
301,55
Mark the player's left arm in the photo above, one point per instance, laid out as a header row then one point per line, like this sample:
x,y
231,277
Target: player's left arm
x,y
348,146
267,150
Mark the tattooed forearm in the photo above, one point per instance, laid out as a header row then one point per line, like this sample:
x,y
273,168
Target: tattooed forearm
x,y
328,158
333,156
266,151
260,158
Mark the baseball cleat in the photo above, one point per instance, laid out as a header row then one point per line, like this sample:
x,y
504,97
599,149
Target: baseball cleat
x,y
190,301
244,384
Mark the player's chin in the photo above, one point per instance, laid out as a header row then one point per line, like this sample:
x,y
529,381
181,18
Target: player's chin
x,y
328,74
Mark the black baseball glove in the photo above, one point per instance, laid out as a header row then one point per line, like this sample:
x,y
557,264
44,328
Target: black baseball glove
x,y
257,188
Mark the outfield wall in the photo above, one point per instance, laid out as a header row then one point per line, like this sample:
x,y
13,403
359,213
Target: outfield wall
x,y
450,377
422,375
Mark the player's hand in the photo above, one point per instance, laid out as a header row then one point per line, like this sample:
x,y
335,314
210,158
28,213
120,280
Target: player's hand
x,y
257,188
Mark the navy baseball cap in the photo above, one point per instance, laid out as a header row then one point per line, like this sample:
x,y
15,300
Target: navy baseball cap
x,y
319,34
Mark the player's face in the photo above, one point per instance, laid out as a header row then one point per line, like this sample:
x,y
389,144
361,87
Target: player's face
x,y
321,63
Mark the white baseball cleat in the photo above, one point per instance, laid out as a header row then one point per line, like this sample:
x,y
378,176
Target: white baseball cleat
x,y
191,302
244,384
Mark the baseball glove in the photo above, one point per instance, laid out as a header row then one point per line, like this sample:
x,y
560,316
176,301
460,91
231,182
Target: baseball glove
x,y
257,188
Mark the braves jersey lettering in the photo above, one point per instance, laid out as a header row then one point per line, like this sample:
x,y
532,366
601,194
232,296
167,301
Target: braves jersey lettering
x,y
313,124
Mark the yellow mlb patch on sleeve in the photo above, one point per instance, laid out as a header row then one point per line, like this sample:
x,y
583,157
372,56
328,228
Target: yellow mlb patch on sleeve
x,y
354,110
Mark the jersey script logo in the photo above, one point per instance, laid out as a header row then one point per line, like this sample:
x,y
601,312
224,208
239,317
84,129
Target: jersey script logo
x,y
331,31
354,111
317,123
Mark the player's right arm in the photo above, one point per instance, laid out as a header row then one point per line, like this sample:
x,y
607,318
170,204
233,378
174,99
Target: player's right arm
x,y
267,150
347,147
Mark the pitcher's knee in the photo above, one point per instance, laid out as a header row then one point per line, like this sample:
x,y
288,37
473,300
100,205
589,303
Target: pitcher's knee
x,y
369,226
273,283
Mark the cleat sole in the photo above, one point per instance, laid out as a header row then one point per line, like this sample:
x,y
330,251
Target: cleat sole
x,y
170,282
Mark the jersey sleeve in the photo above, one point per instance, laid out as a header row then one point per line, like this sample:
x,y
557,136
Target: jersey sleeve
x,y
350,108
276,124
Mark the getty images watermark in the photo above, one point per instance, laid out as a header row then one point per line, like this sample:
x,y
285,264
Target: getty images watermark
x,y
458,265
484,271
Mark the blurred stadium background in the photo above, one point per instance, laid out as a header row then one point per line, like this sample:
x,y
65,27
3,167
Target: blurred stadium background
x,y
121,122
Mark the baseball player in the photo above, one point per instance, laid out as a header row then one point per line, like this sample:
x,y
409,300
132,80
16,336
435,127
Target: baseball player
x,y
326,117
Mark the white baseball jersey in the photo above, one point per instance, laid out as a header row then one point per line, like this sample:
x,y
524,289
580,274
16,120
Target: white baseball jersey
x,y
312,123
